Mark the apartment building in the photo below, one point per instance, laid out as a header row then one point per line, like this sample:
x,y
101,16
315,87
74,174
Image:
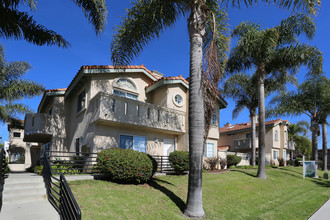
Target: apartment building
x,y
130,108
238,139
20,153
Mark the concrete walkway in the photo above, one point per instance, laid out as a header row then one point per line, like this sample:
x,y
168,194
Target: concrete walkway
x,y
323,213
24,198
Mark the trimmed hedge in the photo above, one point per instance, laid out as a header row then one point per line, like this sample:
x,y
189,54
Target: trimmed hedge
x,y
126,166
233,160
179,161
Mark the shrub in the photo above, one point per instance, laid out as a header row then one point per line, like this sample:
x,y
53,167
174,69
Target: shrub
x,y
223,163
233,160
212,162
297,163
179,161
38,169
281,162
125,166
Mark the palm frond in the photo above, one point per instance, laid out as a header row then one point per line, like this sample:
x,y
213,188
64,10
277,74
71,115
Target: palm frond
x,y
9,111
145,20
13,4
17,89
19,25
95,11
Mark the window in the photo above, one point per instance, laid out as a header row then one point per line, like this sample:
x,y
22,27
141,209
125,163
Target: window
x,y
125,84
50,111
178,99
125,94
17,134
81,101
214,119
275,154
284,155
285,137
137,143
79,143
209,151
276,135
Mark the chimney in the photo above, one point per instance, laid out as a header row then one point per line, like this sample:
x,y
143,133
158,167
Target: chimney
x,y
227,124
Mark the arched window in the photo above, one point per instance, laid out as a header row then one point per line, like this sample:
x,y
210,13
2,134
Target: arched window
x,y
125,88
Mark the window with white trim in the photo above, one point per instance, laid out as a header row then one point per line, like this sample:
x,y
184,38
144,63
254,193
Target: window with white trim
x,y
275,154
284,155
137,143
276,135
81,101
209,150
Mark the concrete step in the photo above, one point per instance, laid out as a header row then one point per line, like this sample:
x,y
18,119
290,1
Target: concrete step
x,y
38,210
12,186
16,199
24,191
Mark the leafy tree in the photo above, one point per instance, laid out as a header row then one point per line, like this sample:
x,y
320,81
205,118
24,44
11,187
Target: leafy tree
x,y
273,52
20,25
241,87
311,99
13,88
146,19
298,134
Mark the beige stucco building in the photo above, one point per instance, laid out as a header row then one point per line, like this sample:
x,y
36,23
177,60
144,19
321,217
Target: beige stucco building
x,y
21,155
105,108
238,138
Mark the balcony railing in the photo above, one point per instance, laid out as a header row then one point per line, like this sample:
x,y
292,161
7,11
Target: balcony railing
x,y
38,127
115,109
244,144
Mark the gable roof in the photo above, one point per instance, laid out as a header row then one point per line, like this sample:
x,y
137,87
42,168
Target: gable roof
x,y
247,126
47,96
88,70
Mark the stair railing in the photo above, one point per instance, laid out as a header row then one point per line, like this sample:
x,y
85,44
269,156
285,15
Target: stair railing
x,y
59,193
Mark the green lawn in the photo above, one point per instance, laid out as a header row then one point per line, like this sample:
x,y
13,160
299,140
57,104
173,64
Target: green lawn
x,y
231,195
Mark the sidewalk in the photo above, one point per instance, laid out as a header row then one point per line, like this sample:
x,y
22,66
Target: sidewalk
x,y
323,213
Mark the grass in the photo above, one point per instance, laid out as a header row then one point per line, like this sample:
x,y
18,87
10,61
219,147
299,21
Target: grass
x,y
231,195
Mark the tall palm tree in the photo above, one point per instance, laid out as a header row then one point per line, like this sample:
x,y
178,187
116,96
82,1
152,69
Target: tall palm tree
x,y
20,25
13,88
146,19
241,87
311,99
273,52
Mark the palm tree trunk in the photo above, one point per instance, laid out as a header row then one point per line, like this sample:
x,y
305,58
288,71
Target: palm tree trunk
x,y
314,130
325,146
194,207
254,138
262,129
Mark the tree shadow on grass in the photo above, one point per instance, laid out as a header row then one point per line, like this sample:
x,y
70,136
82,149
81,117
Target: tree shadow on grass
x,y
322,182
177,200
286,169
247,173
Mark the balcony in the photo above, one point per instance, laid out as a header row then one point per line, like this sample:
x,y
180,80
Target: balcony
x,y
117,110
38,128
244,144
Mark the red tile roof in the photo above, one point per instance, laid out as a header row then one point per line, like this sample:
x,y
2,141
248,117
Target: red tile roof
x,y
180,77
247,125
119,67
55,90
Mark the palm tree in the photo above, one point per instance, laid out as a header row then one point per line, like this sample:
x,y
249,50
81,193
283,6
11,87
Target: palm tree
x,y
146,19
297,133
312,99
13,88
241,87
273,53
20,25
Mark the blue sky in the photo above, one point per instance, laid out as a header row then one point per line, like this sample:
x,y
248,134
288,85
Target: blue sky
x,y
169,54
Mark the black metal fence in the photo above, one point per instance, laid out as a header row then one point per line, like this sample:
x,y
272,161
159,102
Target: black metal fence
x,y
59,193
2,167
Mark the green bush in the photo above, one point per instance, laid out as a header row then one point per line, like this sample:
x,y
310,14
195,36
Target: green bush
x,y
297,163
38,169
233,160
125,166
179,161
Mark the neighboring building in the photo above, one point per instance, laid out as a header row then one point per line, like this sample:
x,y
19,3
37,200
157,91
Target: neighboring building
x,y
20,153
131,108
238,138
